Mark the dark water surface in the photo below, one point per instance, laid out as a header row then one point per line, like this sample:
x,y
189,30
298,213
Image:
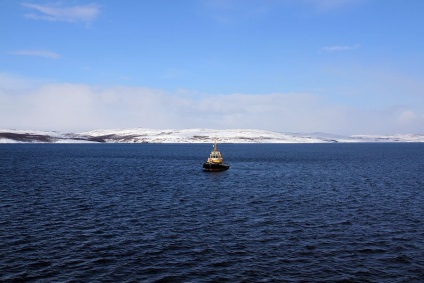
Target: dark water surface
x,y
148,213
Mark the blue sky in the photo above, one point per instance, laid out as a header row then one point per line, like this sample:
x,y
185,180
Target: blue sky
x,y
337,66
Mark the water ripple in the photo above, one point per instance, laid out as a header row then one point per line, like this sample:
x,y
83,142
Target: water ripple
x,y
282,213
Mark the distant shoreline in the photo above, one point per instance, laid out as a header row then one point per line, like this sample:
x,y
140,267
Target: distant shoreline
x,y
140,135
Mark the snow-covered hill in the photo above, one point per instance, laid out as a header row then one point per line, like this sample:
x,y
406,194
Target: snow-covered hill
x,y
140,135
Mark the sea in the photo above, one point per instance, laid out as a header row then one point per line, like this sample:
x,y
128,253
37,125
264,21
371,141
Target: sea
x,y
148,213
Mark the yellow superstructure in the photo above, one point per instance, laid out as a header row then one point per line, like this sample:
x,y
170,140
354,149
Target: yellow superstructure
x,y
215,156
215,161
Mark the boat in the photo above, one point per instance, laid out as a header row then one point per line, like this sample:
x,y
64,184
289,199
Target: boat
x,y
215,161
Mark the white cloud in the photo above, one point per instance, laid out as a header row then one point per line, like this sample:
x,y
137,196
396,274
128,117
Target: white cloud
x,y
15,83
39,53
82,13
78,107
338,48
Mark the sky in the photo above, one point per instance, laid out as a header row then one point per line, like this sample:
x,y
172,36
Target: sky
x,y
335,66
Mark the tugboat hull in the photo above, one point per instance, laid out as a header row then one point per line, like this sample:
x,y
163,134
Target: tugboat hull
x,y
207,166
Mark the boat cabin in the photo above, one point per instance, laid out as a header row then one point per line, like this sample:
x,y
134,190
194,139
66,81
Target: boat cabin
x,y
215,161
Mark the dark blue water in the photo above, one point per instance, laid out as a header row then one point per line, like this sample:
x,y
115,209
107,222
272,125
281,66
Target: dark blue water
x,y
148,213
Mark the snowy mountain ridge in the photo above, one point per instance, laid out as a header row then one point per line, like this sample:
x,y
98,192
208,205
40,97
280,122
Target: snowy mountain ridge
x,y
142,135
